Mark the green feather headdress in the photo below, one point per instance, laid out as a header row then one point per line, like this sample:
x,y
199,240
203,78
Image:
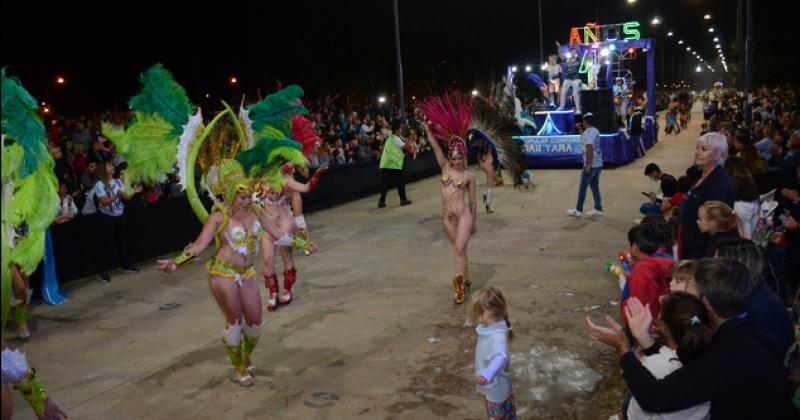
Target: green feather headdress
x,y
264,161
21,123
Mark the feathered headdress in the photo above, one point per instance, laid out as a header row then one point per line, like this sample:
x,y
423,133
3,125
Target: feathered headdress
x,y
272,121
303,132
451,117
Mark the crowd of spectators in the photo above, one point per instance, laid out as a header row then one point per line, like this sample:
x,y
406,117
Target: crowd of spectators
x,y
714,267
353,130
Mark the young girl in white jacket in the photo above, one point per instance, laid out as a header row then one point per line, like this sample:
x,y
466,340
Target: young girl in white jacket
x,y
491,355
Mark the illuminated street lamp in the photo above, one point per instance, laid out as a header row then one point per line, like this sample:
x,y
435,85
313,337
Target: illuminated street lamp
x,y
680,42
656,21
514,69
711,30
381,99
528,68
475,91
716,39
234,80
670,33
60,80
707,16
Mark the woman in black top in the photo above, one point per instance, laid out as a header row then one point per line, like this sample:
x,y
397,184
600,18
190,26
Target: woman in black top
x,y
714,184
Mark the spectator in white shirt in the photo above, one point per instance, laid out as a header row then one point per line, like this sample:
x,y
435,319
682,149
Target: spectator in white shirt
x,y
66,207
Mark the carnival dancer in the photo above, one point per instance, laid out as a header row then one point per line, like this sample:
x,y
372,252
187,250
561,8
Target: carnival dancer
x,y
29,199
237,229
487,162
491,138
553,70
164,131
272,162
450,119
304,133
459,218
620,91
572,79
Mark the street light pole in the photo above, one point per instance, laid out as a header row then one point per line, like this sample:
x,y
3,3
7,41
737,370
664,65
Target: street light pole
x,y
401,96
748,78
541,40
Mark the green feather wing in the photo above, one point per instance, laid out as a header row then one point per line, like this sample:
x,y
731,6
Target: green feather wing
x,y
276,110
21,123
162,95
35,199
28,252
149,147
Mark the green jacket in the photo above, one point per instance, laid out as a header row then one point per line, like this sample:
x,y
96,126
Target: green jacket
x,y
392,156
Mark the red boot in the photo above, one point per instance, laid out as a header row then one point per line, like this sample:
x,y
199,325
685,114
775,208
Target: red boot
x,y
289,277
271,283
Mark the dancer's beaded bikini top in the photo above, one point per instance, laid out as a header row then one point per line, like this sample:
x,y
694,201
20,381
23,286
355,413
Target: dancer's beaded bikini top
x,y
244,241
459,183
276,198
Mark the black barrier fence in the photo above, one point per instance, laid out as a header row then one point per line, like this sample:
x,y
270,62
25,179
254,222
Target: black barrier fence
x,y
167,225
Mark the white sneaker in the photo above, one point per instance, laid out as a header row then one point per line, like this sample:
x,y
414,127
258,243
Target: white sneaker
x,y
574,213
594,213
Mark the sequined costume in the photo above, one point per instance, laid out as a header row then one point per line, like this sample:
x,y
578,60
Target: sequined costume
x,y
167,130
450,119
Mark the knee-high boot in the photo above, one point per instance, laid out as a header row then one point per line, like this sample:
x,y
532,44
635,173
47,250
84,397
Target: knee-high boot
x,y
271,283
289,278
232,338
20,310
250,335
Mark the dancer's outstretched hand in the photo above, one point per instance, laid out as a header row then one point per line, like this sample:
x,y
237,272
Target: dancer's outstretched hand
x,y
480,380
167,266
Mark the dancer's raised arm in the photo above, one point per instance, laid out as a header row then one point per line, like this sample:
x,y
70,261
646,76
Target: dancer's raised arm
x,y
437,149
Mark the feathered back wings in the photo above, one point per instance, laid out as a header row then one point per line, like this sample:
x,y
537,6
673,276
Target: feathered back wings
x,y
163,120
490,124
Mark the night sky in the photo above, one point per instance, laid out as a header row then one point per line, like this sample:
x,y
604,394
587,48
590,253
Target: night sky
x,y
338,46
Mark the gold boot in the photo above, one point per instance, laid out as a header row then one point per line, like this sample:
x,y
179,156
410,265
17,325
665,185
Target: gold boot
x,y
458,289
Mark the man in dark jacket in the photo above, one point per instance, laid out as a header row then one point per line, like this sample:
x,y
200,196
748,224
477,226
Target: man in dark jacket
x,y
741,377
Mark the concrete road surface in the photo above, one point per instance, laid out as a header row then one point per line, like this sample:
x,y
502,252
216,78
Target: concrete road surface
x,y
373,332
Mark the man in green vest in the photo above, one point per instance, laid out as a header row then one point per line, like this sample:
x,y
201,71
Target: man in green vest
x,y
392,165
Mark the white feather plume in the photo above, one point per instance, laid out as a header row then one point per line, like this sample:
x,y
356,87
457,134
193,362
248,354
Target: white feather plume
x,y
189,130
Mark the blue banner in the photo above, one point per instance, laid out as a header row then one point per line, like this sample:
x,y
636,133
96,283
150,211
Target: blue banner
x,y
553,150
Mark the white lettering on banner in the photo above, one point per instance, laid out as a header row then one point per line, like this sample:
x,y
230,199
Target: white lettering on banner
x,y
561,145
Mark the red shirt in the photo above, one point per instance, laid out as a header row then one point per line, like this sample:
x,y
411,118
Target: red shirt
x,y
648,281
79,163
